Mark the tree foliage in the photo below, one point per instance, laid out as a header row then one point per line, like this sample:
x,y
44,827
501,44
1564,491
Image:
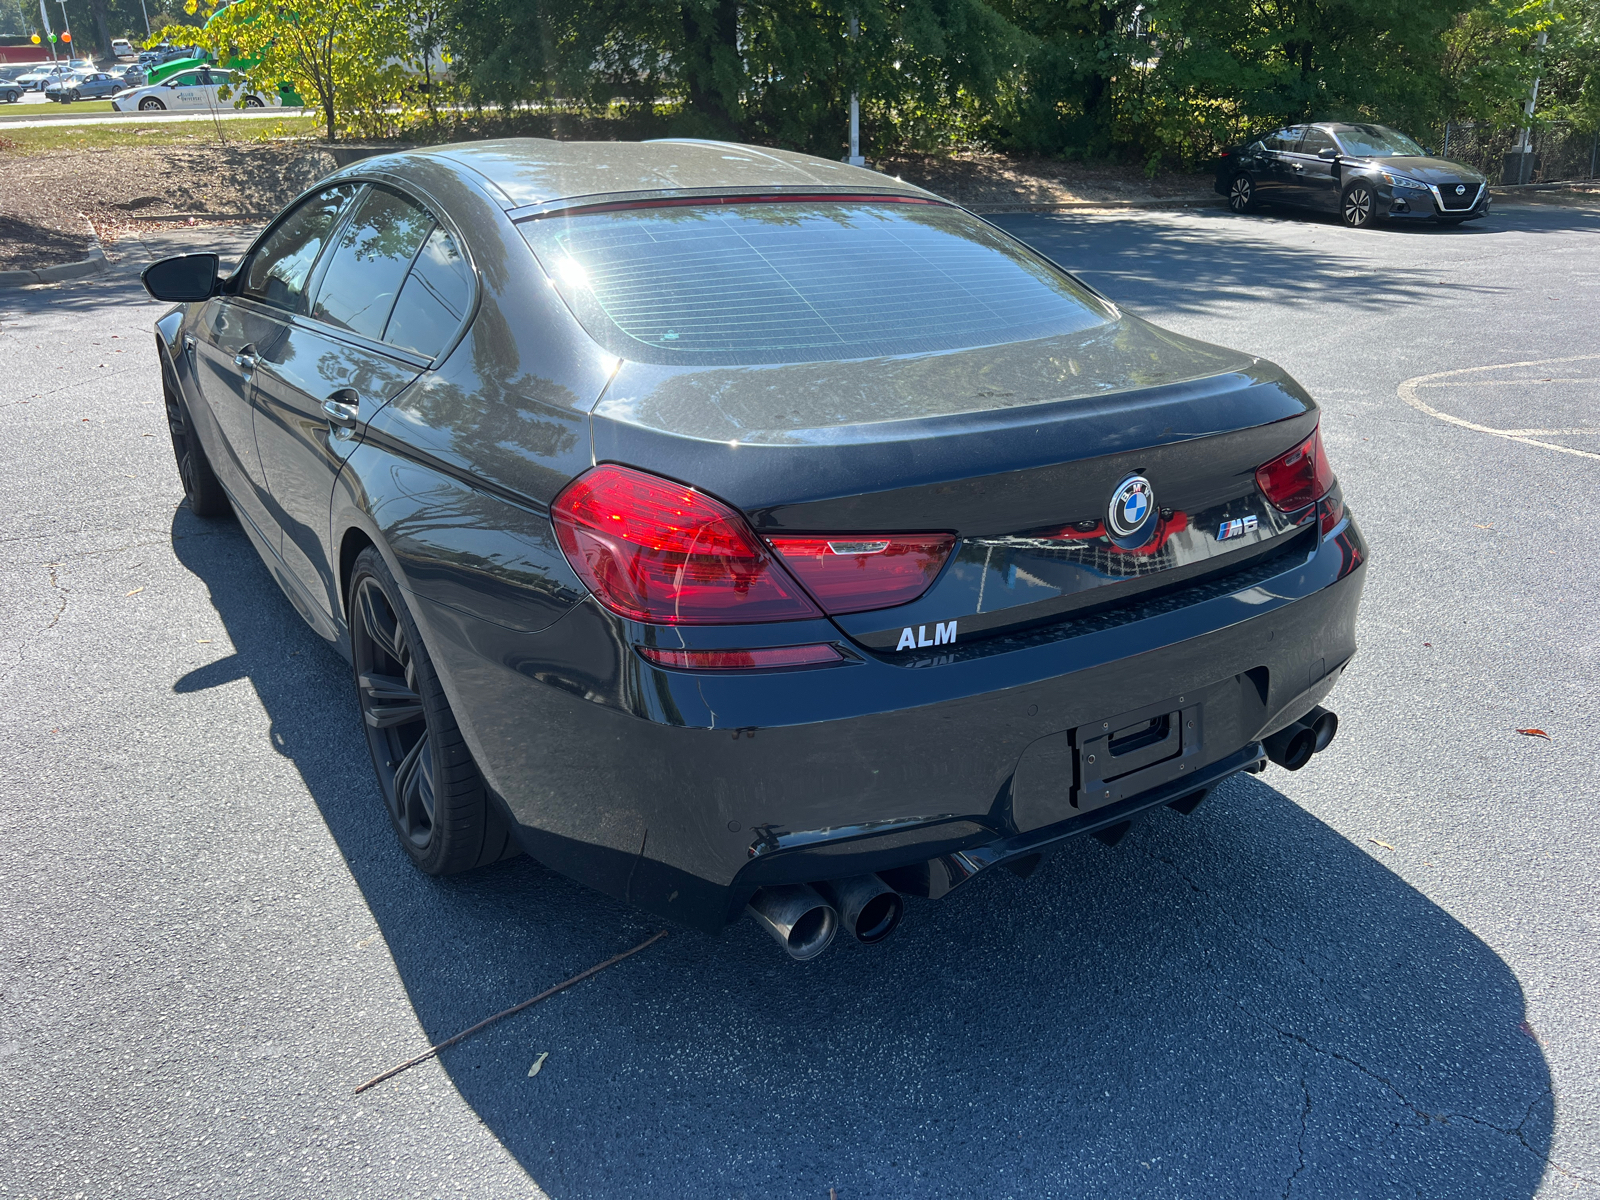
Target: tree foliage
x,y
358,62
1153,78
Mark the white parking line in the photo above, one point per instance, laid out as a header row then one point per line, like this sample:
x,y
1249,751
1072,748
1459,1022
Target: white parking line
x,y
1528,437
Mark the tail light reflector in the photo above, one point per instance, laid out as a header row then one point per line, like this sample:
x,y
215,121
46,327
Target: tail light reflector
x,y
858,571
736,660
1299,478
658,551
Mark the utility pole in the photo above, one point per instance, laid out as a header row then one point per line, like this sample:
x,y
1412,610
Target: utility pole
x,y
67,25
1524,151
855,159
146,13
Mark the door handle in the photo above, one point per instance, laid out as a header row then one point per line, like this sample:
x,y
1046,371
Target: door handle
x,y
342,409
1298,166
246,357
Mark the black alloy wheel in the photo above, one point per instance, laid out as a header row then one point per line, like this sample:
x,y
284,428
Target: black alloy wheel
x,y
1358,206
437,802
200,486
1242,195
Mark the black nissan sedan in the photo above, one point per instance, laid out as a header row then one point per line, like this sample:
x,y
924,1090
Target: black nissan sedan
x,y
734,530
1365,173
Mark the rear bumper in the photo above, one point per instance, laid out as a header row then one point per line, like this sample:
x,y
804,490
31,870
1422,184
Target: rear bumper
x,y
683,792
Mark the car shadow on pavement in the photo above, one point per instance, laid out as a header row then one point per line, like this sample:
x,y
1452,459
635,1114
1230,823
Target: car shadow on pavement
x,y
1201,259
1235,1003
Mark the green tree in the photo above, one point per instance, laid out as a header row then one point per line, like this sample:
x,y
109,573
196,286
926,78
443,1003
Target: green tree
x,y
778,71
349,58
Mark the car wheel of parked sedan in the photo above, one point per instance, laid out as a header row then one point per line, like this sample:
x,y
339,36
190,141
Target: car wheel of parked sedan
x,y
253,102
436,798
151,104
1242,195
12,97
200,486
1357,206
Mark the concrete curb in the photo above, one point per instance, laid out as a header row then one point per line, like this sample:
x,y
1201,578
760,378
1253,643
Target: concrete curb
x,y
95,264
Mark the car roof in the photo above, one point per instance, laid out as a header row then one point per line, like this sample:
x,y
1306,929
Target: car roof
x,y
536,171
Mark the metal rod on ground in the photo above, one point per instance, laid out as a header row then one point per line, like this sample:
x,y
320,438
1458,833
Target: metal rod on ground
x,y
433,1051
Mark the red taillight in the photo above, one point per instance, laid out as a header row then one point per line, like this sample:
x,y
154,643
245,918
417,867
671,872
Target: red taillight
x,y
853,572
1299,478
655,550
737,660
1332,510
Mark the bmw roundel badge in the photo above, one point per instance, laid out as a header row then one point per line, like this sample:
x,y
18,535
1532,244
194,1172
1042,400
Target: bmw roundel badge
x,y
1131,505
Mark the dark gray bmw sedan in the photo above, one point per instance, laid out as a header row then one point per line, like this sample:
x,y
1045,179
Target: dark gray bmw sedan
x,y
734,530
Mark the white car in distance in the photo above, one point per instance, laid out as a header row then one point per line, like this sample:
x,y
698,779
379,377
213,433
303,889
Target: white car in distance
x,y
193,89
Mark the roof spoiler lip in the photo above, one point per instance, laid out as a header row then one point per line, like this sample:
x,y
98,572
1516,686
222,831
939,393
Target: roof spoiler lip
x,y
687,197
771,193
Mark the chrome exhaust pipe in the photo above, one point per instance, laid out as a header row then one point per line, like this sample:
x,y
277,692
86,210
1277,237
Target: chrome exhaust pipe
x,y
801,921
1292,747
1322,723
869,909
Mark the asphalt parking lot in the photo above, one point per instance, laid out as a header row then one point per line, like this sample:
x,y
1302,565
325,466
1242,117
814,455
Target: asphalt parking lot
x,y
1378,977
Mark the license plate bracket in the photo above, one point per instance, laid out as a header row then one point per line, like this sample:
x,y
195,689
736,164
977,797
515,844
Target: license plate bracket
x,y
1135,751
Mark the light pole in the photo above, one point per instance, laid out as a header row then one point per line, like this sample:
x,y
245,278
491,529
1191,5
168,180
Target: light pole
x,y
67,25
146,13
44,15
855,159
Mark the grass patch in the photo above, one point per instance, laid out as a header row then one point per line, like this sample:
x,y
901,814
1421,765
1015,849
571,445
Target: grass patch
x,y
156,131
76,107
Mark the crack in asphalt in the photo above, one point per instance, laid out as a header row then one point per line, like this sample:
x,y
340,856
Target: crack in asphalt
x,y
1425,1117
1305,1119
55,582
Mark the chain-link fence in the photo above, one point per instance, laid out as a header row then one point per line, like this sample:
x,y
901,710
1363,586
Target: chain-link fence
x,y
1559,152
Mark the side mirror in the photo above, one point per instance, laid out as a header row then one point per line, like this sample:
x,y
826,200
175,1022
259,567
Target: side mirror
x,y
1328,152
182,280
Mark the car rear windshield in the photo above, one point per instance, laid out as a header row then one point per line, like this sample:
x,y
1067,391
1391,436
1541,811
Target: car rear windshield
x,y
801,281
1375,141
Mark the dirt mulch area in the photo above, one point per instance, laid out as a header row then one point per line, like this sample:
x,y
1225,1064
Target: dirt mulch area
x,y
48,202
990,182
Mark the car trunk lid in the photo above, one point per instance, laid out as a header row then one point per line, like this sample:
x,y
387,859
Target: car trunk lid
x,y
1017,450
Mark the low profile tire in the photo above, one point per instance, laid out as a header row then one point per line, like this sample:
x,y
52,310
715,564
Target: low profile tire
x,y
253,102
151,104
200,487
437,802
1358,206
1242,194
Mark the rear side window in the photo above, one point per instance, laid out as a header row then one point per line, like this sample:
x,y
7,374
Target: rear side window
x,y
801,281
1285,140
369,261
434,299
281,265
1316,141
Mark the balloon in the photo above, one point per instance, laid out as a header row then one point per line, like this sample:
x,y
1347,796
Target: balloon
x,y
36,39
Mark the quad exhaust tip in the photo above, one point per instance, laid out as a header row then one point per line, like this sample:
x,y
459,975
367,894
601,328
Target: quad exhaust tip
x,y
869,909
797,917
1292,747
